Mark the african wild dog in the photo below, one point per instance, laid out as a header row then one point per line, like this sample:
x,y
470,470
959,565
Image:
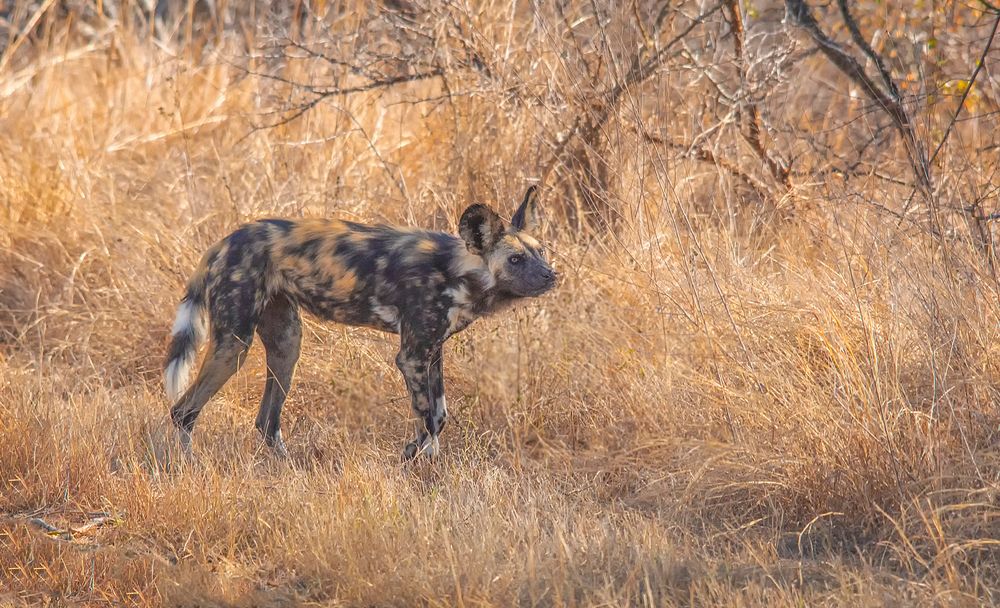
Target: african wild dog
x,y
424,286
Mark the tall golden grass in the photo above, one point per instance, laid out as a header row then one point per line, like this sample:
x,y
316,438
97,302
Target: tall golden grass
x,y
726,401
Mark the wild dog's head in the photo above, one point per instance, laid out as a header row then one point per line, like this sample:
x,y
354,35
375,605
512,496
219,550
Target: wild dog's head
x,y
515,259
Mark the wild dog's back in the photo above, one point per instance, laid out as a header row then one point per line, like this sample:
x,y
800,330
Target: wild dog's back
x,y
341,271
337,270
369,275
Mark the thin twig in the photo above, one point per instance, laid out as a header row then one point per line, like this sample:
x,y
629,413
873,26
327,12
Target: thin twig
x,y
859,40
961,103
638,72
968,89
703,154
322,94
752,135
802,15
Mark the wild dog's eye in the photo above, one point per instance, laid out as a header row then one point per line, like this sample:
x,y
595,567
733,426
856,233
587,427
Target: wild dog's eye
x,y
515,259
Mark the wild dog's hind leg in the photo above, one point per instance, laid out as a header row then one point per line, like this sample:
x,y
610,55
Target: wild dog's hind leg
x,y
225,357
235,305
280,332
416,361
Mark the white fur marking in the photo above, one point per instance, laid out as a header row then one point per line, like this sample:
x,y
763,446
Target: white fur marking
x,y
459,315
484,231
178,372
184,318
389,314
279,445
176,377
459,295
189,316
458,319
466,263
431,447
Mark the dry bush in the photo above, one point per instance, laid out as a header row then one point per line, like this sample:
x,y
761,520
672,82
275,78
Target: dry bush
x,y
770,374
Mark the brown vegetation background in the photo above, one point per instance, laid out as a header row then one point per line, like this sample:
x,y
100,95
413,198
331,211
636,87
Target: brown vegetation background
x,y
769,376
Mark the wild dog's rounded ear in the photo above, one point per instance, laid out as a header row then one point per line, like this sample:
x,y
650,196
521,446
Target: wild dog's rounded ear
x,y
526,216
481,228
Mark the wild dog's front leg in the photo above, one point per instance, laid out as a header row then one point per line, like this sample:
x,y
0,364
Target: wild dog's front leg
x,y
439,414
437,392
419,360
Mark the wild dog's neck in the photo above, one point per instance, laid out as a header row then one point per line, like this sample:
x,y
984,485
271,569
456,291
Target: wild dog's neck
x,y
484,295
486,301
501,301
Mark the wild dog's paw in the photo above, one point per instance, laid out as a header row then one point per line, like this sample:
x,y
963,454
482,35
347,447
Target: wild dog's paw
x,y
278,448
410,451
430,447
277,444
184,442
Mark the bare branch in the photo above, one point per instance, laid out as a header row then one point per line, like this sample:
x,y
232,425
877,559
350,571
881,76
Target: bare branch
x,y
324,93
859,40
968,88
704,154
801,14
752,135
638,72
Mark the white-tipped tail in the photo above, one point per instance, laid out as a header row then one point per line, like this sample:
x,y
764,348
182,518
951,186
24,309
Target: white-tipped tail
x,y
177,377
189,331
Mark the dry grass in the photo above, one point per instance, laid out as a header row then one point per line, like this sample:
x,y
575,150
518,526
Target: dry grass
x,y
718,405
